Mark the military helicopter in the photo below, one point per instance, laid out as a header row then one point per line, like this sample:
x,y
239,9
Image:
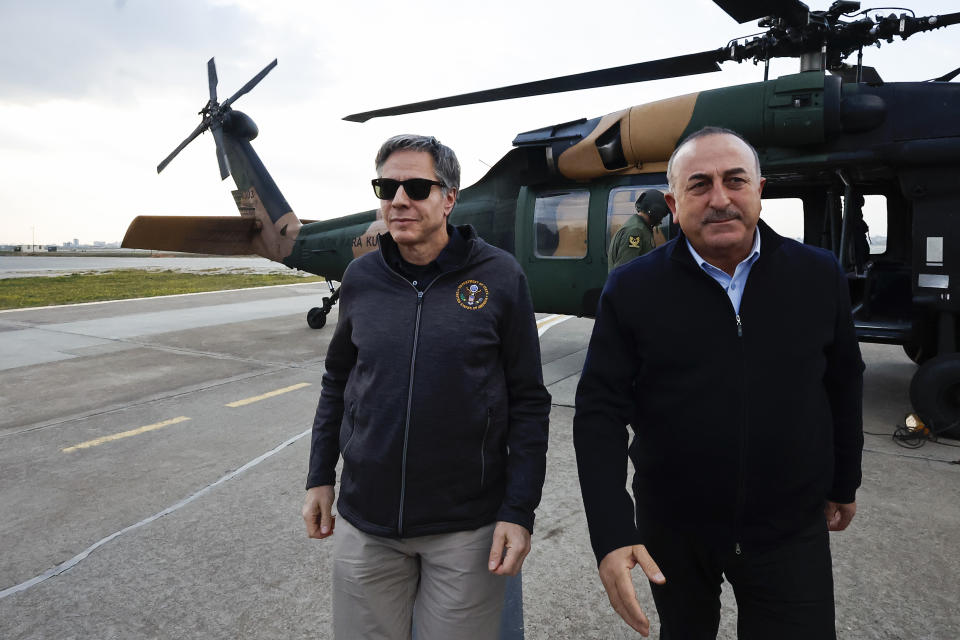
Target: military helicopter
x,y
830,137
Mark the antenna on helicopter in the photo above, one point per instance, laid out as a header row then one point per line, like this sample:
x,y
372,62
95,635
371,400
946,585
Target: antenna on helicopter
x,y
216,115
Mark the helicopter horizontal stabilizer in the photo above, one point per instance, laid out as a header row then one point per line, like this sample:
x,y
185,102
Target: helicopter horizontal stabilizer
x,y
218,235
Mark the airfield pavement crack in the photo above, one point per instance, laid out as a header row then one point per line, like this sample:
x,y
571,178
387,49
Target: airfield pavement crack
x,y
909,456
139,403
74,561
180,350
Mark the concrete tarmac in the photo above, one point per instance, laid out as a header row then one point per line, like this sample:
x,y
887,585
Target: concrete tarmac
x,y
153,455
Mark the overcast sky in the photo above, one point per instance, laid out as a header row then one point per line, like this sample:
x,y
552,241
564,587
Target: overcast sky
x,y
95,93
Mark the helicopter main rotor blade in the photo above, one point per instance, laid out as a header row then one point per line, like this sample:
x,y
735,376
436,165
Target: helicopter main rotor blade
x,y
203,125
217,131
793,11
250,85
212,79
691,64
947,77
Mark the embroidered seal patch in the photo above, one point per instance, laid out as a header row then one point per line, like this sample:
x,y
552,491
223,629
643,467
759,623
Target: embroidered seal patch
x,y
472,294
634,242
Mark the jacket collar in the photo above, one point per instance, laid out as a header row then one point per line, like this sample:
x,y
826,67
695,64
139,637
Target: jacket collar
x,y
463,240
770,240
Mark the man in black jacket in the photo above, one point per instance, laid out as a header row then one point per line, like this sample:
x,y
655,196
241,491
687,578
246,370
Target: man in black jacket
x,y
433,396
743,387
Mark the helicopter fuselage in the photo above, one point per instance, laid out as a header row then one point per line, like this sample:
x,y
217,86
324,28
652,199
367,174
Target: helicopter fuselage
x,y
558,197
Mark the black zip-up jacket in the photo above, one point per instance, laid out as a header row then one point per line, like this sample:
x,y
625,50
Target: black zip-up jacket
x,y
435,399
744,425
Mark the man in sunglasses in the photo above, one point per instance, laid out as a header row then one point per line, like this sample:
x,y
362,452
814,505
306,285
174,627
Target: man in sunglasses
x,y
433,396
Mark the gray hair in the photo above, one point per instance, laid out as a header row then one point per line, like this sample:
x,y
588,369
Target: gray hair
x,y
445,163
702,133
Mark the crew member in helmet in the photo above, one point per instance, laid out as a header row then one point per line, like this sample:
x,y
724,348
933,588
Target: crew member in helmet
x,y
639,234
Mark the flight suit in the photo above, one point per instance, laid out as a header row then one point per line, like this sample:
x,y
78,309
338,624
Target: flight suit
x,y
633,239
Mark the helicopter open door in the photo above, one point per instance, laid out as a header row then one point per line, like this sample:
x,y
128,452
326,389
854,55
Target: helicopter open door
x,y
563,234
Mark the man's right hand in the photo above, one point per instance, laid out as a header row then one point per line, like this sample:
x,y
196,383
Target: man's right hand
x,y
615,574
318,512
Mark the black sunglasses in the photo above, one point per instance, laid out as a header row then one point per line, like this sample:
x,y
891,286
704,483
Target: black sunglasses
x,y
415,188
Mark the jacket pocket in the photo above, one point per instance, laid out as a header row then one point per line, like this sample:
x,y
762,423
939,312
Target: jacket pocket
x,y
483,449
348,430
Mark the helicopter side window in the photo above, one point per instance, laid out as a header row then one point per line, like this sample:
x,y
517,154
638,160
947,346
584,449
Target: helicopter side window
x,y
621,205
785,216
875,218
560,224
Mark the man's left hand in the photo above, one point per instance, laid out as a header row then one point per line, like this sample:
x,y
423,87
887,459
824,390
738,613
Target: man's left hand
x,y
839,515
511,544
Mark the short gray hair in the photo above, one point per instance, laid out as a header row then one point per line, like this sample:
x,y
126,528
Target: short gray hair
x,y
445,163
702,133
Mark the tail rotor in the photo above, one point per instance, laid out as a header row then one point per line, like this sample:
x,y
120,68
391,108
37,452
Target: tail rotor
x,y
214,114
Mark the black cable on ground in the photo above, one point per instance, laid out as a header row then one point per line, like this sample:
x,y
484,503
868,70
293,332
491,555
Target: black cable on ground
x,y
916,438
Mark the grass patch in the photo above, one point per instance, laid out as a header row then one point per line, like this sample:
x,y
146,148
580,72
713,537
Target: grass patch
x,y
41,291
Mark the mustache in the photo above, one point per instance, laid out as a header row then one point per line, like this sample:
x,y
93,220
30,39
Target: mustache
x,y
721,215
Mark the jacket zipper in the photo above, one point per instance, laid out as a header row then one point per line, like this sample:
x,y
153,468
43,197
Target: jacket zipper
x,y
741,483
741,488
406,426
413,361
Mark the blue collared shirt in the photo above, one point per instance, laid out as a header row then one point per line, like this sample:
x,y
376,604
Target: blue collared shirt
x,y
732,285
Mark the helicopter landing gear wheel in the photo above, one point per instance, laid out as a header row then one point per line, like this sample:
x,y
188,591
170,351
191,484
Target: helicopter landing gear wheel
x,y
316,318
935,394
915,352
923,343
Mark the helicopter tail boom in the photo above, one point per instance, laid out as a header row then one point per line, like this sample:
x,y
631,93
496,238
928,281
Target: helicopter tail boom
x,y
267,226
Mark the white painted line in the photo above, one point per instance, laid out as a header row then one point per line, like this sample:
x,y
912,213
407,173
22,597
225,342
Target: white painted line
x,y
550,321
72,562
173,295
269,394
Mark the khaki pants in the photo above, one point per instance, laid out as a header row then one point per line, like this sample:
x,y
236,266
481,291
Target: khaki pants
x,y
384,588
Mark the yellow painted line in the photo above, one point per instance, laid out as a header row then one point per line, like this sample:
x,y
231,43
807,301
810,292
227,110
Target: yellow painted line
x,y
240,403
550,321
547,319
126,434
